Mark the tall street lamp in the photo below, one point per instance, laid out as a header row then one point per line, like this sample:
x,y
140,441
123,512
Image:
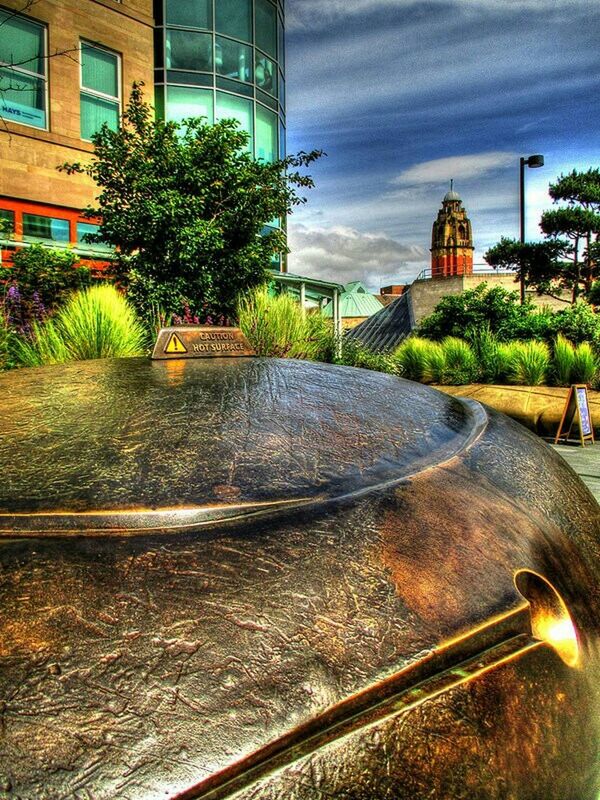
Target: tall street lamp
x,y
533,162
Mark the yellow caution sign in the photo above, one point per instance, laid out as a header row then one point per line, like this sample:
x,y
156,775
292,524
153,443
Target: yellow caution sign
x,y
175,345
200,341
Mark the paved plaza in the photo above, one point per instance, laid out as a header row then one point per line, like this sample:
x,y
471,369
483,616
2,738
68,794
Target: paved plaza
x,y
586,463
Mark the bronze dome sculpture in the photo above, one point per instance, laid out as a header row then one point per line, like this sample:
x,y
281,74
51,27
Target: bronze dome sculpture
x,y
258,578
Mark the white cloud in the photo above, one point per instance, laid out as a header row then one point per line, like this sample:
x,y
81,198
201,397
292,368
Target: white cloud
x,y
343,254
441,170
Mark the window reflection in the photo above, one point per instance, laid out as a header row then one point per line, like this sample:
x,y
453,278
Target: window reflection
x,y
266,134
189,50
233,60
266,27
190,13
231,107
184,102
7,222
47,228
264,74
234,18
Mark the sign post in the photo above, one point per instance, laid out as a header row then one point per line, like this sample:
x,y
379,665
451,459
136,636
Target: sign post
x,y
200,341
577,407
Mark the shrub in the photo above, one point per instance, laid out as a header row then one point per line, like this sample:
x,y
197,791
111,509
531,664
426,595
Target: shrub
x,y
460,361
477,308
355,354
4,339
585,364
94,323
578,323
46,276
530,363
412,356
499,312
562,362
593,295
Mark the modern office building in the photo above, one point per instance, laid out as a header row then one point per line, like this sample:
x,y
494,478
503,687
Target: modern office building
x,y
67,66
220,59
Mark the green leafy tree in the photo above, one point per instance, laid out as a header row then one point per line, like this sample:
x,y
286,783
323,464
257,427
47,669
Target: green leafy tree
x,y
578,225
536,264
185,205
578,189
579,221
594,294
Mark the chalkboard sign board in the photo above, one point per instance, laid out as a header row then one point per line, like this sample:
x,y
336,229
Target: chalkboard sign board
x,y
577,407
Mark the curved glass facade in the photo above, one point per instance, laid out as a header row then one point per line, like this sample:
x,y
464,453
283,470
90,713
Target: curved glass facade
x,y
222,59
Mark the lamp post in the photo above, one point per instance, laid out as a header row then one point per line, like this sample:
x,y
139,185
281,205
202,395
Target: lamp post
x,y
532,162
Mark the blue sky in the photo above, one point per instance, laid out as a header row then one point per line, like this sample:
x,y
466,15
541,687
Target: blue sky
x,y
405,95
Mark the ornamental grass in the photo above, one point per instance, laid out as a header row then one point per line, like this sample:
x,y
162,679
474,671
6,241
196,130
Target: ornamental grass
x,y
530,363
412,357
585,364
276,326
460,361
485,346
94,323
563,361
435,367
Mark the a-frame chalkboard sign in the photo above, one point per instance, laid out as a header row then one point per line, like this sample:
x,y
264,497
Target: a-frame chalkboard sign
x,y
577,407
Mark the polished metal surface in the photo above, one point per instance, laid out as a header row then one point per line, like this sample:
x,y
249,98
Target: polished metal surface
x,y
274,579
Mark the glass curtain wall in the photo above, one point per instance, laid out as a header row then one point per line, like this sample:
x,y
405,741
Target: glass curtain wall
x,y
224,59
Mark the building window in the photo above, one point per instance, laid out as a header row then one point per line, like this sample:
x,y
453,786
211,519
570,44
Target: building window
x,y
7,223
233,60
234,18
47,229
266,27
265,74
23,67
188,101
189,50
190,13
266,134
231,107
86,230
100,89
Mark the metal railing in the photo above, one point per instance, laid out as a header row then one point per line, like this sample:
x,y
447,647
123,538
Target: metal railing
x,y
95,253
478,269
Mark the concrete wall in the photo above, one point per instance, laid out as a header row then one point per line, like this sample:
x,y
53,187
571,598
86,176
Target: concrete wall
x,y
29,156
426,294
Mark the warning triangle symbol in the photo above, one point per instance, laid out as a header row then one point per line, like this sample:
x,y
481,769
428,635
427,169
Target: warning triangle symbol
x,y
175,345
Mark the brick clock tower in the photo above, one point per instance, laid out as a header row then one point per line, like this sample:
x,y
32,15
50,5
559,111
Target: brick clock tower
x,y
451,239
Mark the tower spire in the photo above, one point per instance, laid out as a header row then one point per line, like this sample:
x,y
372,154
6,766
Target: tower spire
x,y
451,184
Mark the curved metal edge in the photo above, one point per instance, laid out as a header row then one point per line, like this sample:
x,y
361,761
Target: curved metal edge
x,y
131,522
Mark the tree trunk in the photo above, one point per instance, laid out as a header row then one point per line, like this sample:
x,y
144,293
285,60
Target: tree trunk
x,y
576,270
